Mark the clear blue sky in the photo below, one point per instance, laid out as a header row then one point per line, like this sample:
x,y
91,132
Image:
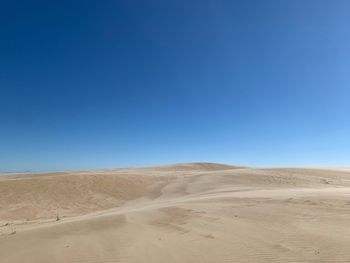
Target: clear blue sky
x,y
88,84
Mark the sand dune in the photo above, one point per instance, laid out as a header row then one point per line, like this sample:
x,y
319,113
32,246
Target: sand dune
x,y
199,166
197,212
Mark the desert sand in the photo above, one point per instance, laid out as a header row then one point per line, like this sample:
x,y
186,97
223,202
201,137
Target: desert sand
x,y
196,212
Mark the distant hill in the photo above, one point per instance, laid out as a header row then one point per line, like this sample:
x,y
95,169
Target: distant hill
x,y
196,166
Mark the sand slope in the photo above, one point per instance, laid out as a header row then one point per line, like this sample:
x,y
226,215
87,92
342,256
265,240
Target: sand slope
x,y
197,212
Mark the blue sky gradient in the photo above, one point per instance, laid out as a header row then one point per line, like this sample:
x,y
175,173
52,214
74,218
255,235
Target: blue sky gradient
x,y
89,84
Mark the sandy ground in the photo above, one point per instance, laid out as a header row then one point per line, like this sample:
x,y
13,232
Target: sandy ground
x,y
196,212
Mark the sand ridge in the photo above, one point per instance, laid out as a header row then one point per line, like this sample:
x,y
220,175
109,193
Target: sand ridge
x,y
197,212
